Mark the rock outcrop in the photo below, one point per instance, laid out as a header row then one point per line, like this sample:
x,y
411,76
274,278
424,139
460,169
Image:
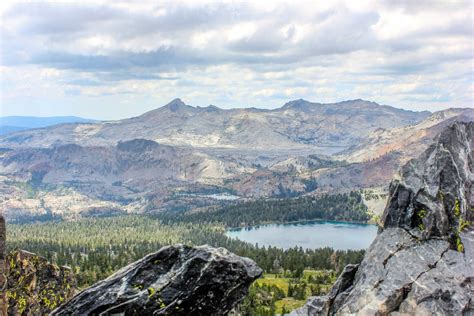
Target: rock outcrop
x,y
176,280
35,286
3,267
422,260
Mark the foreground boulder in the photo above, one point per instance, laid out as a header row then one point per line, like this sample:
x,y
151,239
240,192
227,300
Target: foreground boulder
x,y
176,280
422,260
35,286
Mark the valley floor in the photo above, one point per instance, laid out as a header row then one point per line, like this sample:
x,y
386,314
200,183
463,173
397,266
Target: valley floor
x,y
96,247
280,293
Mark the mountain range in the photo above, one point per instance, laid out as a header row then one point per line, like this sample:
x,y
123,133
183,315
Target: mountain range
x,y
179,156
297,124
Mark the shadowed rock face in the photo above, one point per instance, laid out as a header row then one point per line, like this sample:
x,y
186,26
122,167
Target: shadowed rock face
x,y
422,261
176,280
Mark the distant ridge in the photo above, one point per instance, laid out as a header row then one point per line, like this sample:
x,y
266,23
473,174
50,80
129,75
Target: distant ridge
x,y
177,104
296,124
302,104
10,124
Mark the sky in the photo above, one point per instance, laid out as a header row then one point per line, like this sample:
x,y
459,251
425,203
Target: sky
x,y
111,60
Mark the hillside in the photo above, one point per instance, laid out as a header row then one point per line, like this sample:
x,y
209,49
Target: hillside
x,y
376,159
408,140
180,157
68,179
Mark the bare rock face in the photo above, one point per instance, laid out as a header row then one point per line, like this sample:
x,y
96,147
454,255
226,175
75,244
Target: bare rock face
x,y
432,198
422,261
176,280
35,286
3,268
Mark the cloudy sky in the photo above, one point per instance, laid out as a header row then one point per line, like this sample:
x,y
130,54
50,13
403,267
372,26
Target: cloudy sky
x,y
111,60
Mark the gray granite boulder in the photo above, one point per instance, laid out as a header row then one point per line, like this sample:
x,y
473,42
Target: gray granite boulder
x,y
176,280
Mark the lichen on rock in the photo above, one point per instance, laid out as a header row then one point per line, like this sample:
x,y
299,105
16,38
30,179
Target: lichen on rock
x,y
176,280
35,286
432,197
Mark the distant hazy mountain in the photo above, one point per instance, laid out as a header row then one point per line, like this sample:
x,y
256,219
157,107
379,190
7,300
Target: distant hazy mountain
x,y
298,124
5,129
10,124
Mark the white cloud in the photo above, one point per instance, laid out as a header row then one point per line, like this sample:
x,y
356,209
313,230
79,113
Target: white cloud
x,y
90,58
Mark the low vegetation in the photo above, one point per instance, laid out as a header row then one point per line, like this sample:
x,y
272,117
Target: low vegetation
x,y
280,293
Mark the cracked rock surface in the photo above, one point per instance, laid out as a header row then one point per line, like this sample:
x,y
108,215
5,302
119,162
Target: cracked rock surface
x,y
422,260
176,280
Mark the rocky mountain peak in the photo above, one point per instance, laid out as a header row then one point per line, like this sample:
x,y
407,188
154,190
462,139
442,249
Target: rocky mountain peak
x,y
422,260
354,101
210,108
432,196
176,105
299,104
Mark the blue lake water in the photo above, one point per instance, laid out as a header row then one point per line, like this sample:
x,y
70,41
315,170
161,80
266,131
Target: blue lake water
x,y
310,234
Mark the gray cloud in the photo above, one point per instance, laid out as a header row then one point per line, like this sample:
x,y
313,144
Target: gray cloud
x,y
335,32
104,78
238,51
340,34
418,6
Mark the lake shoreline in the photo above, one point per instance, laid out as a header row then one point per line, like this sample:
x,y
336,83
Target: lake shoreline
x,y
308,234
301,221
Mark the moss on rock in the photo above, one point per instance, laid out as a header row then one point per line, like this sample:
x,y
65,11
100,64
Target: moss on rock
x,y
35,286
